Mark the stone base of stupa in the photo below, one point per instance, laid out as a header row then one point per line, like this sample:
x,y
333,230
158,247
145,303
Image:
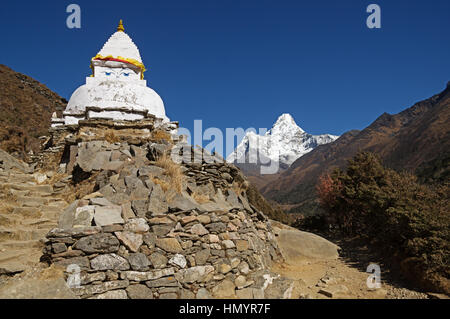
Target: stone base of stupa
x,y
63,139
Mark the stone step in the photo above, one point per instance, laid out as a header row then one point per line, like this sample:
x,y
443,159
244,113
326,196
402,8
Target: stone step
x,y
25,201
41,223
11,255
19,246
11,262
15,261
17,178
11,267
16,192
58,203
22,233
9,220
53,216
31,187
27,212
51,209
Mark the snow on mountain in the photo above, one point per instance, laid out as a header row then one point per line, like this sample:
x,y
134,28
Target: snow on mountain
x,y
283,143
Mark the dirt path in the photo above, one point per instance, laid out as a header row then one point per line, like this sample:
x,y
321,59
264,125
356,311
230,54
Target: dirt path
x,y
325,279
327,276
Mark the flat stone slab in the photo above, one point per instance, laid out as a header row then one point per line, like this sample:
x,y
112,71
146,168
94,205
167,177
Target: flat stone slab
x,y
46,284
108,215
34,188
295,244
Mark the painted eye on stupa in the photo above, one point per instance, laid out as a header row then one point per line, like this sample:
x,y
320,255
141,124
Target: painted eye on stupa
x,y
107,73
125,74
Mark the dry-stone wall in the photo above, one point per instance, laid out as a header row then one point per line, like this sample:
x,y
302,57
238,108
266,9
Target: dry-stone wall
x,y
138,236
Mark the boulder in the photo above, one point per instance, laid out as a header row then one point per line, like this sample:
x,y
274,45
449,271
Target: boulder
x,y
296,244
113,294
157,204
131,240
138,261
178,260
84,216
100,201
196,274
182,201
158,260
225,289
137,225
98,243
170,245
139,292
109,261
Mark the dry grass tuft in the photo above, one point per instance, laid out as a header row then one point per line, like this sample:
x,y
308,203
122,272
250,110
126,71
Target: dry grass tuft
x,y
111,137
164,185
200,198
158,135
80,190
173,171
55,178
6,195
240,188
7,200
52,272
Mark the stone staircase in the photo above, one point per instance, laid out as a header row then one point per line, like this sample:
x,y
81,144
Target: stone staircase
x,y
27,212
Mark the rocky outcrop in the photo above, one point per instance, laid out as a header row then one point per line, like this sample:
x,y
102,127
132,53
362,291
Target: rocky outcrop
x,y
8,162
295,245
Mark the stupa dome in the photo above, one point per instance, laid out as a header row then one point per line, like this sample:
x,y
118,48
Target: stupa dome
x,y
116,90
121,48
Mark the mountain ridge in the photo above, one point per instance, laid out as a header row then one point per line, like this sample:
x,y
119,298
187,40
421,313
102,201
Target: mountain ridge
x,y
404,141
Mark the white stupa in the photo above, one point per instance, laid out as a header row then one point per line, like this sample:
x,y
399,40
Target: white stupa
x,y
116,89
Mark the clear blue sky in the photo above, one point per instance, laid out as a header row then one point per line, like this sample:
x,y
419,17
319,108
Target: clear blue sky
x,y
241,63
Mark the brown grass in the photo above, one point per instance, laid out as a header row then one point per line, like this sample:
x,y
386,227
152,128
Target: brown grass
x,y
158,135
5,194
164,185
81,189
111,137
54,179
7,200
240,188
173,171
200,198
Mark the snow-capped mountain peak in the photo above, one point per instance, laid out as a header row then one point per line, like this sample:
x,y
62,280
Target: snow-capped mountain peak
x,y
283,143
284,122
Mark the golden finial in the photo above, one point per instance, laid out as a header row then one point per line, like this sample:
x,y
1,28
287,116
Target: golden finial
x,y
120,27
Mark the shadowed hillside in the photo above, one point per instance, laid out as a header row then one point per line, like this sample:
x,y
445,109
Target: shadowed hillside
x,y
26,108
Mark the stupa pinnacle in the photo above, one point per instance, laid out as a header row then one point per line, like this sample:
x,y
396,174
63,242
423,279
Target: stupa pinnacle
x,y
116,89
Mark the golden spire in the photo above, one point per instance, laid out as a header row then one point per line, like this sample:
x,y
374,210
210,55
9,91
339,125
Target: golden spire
x,y
120,27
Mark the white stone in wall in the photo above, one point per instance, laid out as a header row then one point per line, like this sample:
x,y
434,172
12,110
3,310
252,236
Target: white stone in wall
x,y
117,115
